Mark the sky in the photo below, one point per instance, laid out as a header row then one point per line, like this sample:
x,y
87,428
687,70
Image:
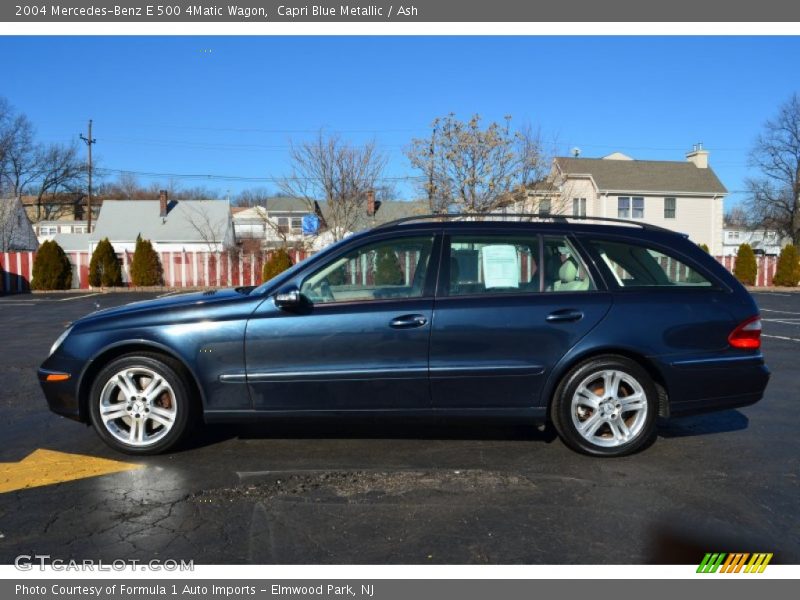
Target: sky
x,y
230,106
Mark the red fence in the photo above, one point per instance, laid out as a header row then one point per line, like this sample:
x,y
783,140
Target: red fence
x,y
222,269
181,269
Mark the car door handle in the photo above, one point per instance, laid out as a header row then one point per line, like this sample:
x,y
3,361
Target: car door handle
x,y
564,315
408,321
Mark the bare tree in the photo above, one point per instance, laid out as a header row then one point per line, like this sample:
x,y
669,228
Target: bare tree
x,y
128,187
738,217
37,169
774,198
253,197
331,169
209,227
476,168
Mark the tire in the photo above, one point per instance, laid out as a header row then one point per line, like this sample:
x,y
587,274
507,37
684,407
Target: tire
x,y
594,422
131,415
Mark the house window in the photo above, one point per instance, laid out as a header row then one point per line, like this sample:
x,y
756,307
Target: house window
x,y
669,208
623,208
544,206
630,208
637,211
579,207
283,224
297,224
733,235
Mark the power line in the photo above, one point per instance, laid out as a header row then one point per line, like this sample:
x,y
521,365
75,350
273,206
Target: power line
x,y
218,177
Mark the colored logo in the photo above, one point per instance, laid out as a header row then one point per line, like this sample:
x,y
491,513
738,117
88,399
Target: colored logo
x,y
735,562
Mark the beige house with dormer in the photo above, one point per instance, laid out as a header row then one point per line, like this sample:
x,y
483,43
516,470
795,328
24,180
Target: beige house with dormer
x,y
685,196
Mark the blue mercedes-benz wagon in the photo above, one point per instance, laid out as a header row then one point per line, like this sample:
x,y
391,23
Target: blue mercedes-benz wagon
x,y
596,326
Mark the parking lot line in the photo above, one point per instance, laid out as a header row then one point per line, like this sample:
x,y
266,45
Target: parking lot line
x,y
46,467
789,321
780,337
78,297
785,312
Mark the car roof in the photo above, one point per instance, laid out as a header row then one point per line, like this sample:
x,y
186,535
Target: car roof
x,y
534,223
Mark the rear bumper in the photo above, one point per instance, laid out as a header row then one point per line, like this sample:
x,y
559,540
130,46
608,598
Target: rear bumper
x,y
701,385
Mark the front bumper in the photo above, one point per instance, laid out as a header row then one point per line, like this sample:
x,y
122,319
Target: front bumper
x,y
62,394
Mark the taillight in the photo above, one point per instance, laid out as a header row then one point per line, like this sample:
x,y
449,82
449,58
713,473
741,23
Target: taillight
x,y
747,334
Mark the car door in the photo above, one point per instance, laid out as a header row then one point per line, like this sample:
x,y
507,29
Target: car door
x,y
360,339
509,306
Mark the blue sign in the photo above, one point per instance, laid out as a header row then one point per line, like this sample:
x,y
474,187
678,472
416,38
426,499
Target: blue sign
x,y
310,224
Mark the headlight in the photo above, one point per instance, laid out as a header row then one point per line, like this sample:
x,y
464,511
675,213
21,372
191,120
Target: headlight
x,y
60,339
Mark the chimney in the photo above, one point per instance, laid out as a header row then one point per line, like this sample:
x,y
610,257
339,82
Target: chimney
x,y
162,200
371,203
698,156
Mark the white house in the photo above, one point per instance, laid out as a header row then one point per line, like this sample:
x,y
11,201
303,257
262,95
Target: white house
x,y
762,241
47,230
171,225
685,196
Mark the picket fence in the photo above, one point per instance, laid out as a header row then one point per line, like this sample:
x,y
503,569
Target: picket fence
x,y
222,269
181,269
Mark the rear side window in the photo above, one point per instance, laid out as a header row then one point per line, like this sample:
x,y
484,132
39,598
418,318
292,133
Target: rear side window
x,y
634,265
514,265
494,265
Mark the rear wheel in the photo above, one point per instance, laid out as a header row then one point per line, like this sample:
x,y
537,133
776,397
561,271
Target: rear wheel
x,y
139,404
606,406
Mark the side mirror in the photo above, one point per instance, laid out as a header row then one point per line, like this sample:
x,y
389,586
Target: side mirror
x,y
288,297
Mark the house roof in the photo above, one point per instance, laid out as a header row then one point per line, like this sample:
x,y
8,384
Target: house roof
x,y
287,204
72,242
186,221
16,231
644,175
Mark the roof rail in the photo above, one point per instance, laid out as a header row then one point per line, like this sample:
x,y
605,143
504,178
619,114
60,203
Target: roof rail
x,y
517,217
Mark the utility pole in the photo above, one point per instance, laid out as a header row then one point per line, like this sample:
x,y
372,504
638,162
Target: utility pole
x,y
431,154
90,141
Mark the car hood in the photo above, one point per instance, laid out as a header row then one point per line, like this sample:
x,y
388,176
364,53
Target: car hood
x,y
195,300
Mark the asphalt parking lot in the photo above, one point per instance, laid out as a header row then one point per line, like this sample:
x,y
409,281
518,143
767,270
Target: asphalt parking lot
x,y
396,491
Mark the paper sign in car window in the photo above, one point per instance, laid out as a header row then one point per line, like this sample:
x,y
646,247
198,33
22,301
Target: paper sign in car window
x,y
500,266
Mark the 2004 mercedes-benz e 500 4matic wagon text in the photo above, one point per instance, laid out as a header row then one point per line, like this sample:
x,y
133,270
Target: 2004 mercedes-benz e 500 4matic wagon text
x,y
596,328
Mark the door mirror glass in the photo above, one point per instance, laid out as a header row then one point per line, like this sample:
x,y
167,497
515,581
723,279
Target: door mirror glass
x,y
288,297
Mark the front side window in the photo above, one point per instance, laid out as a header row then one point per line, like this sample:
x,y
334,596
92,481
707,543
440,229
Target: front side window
x,y
384,270
633,265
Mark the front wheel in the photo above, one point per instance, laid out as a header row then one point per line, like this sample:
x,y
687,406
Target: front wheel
x,y
606,406
139,404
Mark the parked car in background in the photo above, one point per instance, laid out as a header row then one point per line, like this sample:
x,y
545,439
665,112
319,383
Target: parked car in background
x,y
595,328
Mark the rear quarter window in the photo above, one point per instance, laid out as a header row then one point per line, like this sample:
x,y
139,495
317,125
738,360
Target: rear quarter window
x,y
639,265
